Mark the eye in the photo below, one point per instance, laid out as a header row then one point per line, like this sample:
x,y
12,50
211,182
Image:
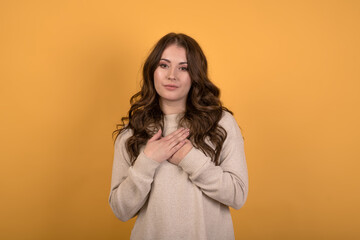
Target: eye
x,y
183,68
163,65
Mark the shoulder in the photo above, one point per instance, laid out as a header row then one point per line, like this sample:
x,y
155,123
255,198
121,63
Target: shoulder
x,y
227,120
122,137
229,123
120,146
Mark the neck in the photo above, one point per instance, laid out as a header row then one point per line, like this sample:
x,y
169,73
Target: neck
x,y
169,107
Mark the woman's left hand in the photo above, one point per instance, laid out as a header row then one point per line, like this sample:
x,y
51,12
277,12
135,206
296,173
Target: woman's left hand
x,y
181,153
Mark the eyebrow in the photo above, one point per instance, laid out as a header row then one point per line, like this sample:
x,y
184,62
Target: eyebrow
x,y
167,60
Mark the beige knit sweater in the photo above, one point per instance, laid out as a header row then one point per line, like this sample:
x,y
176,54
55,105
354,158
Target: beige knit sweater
x,y
189,201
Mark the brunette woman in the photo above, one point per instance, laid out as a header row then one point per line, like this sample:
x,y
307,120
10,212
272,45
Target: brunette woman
x,y
179,161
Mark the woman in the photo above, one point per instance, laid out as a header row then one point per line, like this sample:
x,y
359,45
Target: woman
x,y
179,162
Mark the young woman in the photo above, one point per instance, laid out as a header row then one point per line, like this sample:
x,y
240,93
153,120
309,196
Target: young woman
x,y
179,162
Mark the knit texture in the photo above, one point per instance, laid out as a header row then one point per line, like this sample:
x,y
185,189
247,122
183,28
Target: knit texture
x,y
188,201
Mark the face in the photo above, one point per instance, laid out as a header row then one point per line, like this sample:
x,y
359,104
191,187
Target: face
x,y
171,77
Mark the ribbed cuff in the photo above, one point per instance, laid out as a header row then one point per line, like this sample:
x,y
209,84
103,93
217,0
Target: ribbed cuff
x,y
193,161
145,166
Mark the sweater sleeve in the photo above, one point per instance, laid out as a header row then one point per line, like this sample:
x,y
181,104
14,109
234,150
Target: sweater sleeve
x,y
228,182
130,185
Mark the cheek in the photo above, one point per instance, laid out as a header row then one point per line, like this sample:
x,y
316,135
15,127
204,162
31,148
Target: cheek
x,y
188,84
158,76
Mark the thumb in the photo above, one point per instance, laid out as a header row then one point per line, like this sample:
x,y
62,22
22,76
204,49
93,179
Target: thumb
x,y
156,136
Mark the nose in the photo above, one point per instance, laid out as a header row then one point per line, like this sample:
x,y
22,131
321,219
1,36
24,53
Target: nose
x,y
171,73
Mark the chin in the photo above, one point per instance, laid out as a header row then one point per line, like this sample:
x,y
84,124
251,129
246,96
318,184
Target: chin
x,y
171,98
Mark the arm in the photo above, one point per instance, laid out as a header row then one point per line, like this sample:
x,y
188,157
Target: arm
x,y
130,185
228,182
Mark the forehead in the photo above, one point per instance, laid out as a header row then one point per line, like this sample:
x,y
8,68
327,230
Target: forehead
x,y
174,52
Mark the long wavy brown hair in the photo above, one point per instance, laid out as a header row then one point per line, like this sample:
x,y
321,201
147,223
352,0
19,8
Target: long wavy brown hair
x,y
203,106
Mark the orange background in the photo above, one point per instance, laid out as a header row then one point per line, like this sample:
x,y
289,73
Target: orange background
x,y
288,69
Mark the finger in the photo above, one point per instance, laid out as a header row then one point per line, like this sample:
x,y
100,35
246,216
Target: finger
x,y
177,147
156,136
178,138
179,134
173,134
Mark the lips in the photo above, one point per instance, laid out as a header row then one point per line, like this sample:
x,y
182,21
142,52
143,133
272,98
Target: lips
x,y
170,86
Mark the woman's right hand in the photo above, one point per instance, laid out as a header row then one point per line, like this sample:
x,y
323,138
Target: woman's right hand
x,y
161,149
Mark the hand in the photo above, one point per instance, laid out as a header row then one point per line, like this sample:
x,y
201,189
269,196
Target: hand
x,y
161,149
181,153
